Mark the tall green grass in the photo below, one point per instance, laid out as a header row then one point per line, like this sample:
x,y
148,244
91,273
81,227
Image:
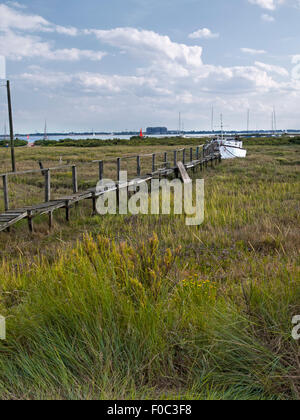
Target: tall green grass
x,y
144,307
113,321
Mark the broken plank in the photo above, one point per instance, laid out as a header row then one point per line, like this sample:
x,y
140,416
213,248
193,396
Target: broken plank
x,y
183,173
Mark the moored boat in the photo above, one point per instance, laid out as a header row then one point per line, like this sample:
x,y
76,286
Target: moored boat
x,y
231,148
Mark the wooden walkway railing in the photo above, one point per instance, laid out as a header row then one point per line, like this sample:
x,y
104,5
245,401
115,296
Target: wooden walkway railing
x,y
190,159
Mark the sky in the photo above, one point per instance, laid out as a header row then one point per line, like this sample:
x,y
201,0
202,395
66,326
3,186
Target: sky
x,y
109,65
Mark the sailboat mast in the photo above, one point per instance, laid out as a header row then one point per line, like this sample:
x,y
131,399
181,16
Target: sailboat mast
x,y
212,119
222,127
275,122
248,120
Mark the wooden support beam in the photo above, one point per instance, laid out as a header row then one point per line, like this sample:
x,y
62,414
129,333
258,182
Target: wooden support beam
x,y
197,152
191,154
50,215
67,210
29,218
165,159
183,156
41,167
94,201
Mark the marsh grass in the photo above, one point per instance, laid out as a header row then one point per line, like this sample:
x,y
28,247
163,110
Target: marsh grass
x,y
137,307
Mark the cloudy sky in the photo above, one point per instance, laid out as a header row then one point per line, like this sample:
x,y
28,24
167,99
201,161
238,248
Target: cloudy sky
x,y
126,64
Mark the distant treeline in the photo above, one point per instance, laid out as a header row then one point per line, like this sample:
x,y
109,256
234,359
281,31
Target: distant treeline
x,y
151,141
271,141
134,141
17,143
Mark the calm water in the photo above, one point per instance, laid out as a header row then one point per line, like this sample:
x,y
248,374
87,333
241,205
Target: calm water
x,y
96,137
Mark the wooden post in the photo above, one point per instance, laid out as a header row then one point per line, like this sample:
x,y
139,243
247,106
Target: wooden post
x,y
118,180
74,179
50,219
100,170
191,154
153,162
175,158
118,169
165,159
5,192
47,196
183,156
75,182
47,186
11,128
197,152
138,166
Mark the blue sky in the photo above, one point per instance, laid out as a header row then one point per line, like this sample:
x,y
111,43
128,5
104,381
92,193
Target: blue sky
x,y
126,64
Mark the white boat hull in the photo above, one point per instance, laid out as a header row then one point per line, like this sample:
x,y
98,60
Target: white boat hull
x,y
232,152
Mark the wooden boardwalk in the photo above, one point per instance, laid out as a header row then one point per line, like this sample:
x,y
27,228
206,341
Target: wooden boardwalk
x,y
10,217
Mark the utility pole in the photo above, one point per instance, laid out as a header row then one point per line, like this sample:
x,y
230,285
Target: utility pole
x,y
11,128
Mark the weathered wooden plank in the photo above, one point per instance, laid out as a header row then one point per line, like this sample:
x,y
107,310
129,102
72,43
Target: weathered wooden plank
x,y
12,222
183,173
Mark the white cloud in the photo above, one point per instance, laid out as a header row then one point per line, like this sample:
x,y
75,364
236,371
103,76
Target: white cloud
x,y
150,44
45,78
16,4
172,74
17,47
267,18
281,71
16,43
204,33
253,51
15,19
267,4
